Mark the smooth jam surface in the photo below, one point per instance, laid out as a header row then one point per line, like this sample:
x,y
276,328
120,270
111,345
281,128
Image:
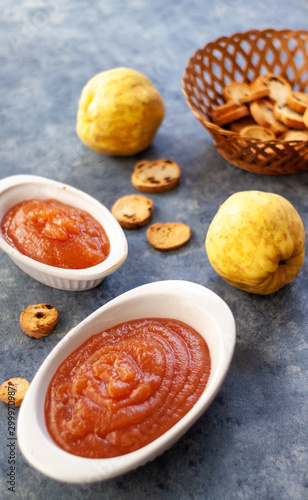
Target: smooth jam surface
x,y
126,386
56,234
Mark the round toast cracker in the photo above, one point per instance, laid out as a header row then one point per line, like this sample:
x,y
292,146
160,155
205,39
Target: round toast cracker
x,y
258,132
168,236
236,91
231,116
156,176
133,211
238,125
295,135
278,86
223,109
39,320
305,118
288,116
298,101
262,111
255,94
13,391
298,135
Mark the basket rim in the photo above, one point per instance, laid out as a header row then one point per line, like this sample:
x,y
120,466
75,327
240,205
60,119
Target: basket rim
x,y
209,125
286,31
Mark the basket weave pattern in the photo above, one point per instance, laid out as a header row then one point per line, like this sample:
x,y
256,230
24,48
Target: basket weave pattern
x,y
243,57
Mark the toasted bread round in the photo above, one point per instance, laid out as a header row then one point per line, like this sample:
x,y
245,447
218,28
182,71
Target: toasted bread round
x,y
238,125
39,320
278,86
262,111
255,94
168,236
156,176
298,101
258,132
133,211
223,109
289,117
302,137
236,91
295,135
14,390
305,118
259,84
231,116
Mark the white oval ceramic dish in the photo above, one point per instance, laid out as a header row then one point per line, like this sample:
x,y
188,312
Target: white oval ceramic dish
x,y
182,300
17,188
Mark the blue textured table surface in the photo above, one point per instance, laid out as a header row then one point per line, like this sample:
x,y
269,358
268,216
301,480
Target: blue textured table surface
x,y
252,441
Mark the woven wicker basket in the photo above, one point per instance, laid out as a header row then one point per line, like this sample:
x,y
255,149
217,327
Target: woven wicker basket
x,y
243,57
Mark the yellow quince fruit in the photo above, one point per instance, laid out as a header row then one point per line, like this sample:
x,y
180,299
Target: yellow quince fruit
x,y
119,112
256,241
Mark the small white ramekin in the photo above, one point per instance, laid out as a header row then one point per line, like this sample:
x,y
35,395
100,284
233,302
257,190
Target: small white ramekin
x,y
18,188
189,302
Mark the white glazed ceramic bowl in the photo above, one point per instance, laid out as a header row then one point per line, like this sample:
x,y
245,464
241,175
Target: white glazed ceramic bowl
x,y
18,188
191,303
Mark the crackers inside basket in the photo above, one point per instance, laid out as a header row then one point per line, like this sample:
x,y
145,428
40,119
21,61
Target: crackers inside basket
x,y
267,108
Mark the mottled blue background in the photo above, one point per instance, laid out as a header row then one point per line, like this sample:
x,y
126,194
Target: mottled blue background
x,y
252,441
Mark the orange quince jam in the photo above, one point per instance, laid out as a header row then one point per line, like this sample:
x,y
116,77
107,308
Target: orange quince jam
x,y
56,234
126,386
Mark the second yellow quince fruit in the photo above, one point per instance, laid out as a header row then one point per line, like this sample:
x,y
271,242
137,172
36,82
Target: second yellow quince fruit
x,y
119,112
256,241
